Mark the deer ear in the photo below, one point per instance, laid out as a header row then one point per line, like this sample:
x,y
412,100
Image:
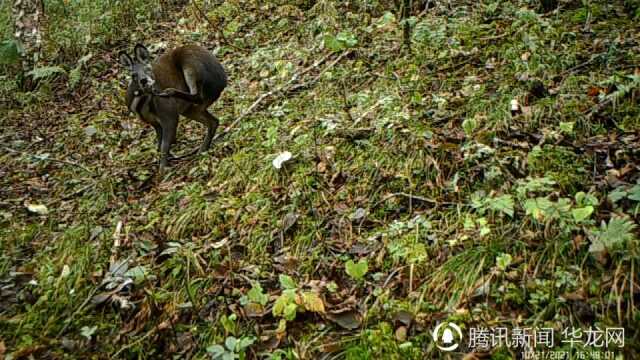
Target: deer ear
x,y
142,54
125,59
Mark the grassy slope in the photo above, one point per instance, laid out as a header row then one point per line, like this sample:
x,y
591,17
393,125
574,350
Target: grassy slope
x,y
421,143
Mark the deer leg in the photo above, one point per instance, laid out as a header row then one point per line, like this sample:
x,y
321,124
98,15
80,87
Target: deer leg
x,y
169,126
190,78
202,116
158,130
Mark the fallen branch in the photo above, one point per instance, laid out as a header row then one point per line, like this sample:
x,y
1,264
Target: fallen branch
x,y
598,107
135,342
77,311
73,194
414,197
580,66
285,88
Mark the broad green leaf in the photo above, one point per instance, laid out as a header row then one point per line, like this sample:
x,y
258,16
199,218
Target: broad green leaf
x,y
215,350
137,273
331,43
347,38
245,342
357,271
290,312
567,127
581,214
469,125
385,19
285,305
583,199
617,233
469,224
617,194
503,204
286,282
634,193
88,331
503,261
230,343
256,294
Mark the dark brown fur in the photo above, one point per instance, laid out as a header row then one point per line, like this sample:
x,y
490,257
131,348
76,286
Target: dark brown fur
x,y
184,81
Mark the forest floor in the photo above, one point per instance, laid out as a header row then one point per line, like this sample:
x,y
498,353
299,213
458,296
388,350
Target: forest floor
x,y
479,168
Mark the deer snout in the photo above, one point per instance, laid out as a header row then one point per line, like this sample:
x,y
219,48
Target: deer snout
x,y
146,82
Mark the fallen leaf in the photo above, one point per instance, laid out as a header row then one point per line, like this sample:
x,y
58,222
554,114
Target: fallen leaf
x,y
90,131
360,213
312,302
349,319
254,310
401,333
288,221
281,159
403,317
37,209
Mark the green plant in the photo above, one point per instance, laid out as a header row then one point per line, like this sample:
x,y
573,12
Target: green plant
x,y
503,261
233,348
293,300
9,52
500,204
614,236
357,270
344,40
255,295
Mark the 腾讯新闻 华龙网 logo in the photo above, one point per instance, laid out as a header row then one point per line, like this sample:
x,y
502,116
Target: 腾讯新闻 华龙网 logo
x,y
447,336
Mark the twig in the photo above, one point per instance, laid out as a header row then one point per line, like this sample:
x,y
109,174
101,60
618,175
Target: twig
x,y
367,112
48,159
219,29
332,64
280,89
346,101
84,303
134,343
77,192
414,197
598,107
580,66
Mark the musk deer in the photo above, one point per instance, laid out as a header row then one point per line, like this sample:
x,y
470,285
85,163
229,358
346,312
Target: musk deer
x,y
183,81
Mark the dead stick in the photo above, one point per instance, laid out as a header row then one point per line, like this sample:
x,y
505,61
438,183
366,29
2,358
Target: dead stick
x,y
414,197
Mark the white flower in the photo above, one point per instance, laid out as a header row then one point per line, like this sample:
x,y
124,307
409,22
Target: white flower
x,y
281,159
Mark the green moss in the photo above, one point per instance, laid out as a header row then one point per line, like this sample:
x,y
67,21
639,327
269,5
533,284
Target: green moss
x,y
564,166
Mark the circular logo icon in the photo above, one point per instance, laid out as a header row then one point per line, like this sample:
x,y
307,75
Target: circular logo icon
x,y
447,336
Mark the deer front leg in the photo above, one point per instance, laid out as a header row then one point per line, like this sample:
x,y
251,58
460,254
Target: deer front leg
x,y
169,126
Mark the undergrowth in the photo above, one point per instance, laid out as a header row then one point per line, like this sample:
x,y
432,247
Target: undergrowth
x,y
473,162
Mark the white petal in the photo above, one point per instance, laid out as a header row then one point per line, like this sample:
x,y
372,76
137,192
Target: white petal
x,y
281,159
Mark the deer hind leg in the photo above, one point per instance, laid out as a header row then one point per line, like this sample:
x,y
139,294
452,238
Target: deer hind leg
x,y
193,96
201,115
